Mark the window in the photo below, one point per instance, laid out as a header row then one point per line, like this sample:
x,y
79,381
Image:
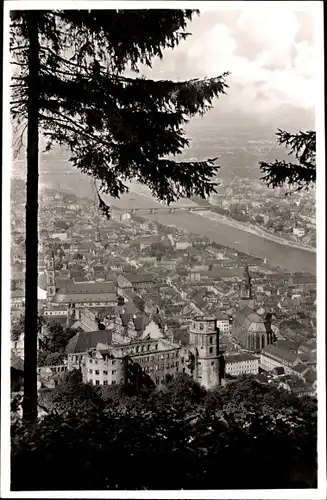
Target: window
x,y
97,382
90,371
114,372
212,363
211,350
91,361
105,382
113,382
142,348
201,326
162,356
105,372
148,347
157,380
137,348
156,346
162,367
210,340
97,372
113,361
157,367
90,381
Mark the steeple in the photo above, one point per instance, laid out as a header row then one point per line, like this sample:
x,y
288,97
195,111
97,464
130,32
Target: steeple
x,y
246,291
246,298
51,287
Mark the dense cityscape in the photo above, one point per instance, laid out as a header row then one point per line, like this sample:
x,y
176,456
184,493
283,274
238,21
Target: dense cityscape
x,y
163,275
131,279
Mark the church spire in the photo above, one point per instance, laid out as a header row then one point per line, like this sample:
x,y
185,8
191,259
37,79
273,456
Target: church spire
x,y
246,297
247,287
50,272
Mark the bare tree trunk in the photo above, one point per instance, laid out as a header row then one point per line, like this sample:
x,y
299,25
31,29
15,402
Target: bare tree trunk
x,y
31,304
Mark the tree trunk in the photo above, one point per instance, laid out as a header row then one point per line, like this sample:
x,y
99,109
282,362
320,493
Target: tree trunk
x,y
31,304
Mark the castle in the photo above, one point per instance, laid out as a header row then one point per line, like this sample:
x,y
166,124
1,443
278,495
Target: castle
x,y
102,355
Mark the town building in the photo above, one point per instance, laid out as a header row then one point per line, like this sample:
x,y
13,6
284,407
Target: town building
x,y
223,324
241,364
272,356
78,295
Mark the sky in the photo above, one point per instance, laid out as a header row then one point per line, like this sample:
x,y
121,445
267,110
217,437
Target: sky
x,y
269,48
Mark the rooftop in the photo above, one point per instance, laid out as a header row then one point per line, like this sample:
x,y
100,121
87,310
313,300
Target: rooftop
x,y
238,358
83,341
88,288
283,354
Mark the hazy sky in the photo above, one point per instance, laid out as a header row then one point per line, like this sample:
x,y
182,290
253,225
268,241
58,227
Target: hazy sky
x,y
269,48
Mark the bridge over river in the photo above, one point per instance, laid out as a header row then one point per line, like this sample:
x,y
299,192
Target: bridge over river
x,y
153,210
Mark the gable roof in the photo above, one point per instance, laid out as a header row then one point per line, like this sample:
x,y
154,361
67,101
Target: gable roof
x,y
282,354
237,358
139,278
88,287
83,341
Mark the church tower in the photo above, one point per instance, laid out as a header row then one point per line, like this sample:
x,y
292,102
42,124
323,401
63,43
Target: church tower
x,y
204,337
246,298
51,287
97,241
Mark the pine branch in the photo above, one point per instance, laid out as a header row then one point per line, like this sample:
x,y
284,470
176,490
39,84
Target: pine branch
x,y
301,175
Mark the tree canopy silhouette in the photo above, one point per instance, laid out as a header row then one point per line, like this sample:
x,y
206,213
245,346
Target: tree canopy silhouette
x,y
116,127
70,84
173,438
300,175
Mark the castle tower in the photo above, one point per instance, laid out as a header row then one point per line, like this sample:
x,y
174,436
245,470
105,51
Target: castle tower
x,y
204,336
246,298
50,272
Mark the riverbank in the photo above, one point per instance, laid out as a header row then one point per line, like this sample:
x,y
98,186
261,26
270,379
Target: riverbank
x,y
226,234
249,228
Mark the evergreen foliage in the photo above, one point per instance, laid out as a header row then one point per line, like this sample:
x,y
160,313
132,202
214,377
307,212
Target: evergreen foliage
x,y
70,84
171,438
301,175
117,128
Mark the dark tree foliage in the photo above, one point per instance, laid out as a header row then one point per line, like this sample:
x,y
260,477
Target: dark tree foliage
x,y
183,387
116,127
57,337
70,84
301,175
45,358
17,327
168,440
72,395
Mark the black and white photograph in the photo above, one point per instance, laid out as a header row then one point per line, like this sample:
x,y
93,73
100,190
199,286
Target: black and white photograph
x,y
163,250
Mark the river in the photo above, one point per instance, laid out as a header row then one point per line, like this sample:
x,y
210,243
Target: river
x,y
290,258
277,254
